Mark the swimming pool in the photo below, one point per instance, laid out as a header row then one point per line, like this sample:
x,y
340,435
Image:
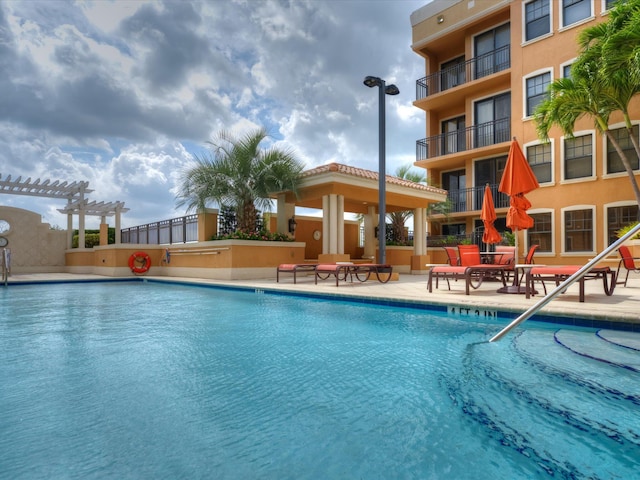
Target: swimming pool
x,y
154,380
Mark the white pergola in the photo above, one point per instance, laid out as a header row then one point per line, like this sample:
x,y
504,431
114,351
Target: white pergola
x,y
77,204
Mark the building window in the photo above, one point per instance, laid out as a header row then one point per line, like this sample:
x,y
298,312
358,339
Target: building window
x,y
614,162
537,87
492,51
454,135
578,157
578,231
541,232
618,217
539,157
608,4
489,171
456,183
566,71
575,10
537,19
452,73
493,120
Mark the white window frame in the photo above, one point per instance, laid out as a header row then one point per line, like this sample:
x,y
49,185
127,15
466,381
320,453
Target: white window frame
x,y
552,253
566,64
605,145
605,216
594,175
579,22
524,23
573,208
525,98
553,159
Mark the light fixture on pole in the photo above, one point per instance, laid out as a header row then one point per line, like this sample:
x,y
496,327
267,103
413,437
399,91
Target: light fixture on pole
x,y
382,214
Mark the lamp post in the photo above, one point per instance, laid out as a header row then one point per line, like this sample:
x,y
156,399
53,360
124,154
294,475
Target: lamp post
x,y
382,214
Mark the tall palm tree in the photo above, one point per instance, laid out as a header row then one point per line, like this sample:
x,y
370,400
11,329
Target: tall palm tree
x,y
239,174
593,89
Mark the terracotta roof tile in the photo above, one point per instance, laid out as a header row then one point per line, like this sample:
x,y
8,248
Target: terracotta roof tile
x,y
370,174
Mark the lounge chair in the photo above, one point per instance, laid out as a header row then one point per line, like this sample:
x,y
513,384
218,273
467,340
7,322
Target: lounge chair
x,y
559,273
471,269
294,268
362,271
628,262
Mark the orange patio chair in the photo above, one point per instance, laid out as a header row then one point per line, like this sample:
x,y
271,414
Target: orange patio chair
x,y
628,262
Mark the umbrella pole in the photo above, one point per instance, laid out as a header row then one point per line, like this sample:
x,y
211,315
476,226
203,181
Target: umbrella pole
x,y
515,287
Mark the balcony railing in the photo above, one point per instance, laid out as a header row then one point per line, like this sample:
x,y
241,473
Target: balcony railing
x,y
477,136
470,199
478,67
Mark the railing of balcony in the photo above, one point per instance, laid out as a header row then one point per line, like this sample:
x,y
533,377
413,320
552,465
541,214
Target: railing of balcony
x,y
470,199
478,67
477,136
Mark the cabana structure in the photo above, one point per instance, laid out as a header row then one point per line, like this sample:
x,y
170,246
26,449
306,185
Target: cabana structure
x,y
337,189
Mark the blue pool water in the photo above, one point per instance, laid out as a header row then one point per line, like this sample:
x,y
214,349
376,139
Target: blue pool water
x,y
165,381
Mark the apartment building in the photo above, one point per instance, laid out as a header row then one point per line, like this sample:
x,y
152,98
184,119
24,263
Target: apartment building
x,y
488,64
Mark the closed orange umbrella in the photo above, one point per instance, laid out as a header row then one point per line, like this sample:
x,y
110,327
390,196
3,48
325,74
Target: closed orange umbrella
x,y
517,179
488,216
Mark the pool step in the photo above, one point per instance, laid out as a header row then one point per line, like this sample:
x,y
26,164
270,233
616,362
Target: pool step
x,y
599,413
595,347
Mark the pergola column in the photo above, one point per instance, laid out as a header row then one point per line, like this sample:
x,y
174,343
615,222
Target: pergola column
x,y
284,212
420,258
419,231
333,224
117,226
370,220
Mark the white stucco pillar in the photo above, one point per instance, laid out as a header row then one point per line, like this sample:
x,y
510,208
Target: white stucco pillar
x,y
118,227
340,222
370,221
69,230
419,231
325,224
333,224
81,233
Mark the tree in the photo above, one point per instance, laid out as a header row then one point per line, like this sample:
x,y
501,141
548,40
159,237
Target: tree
x,y
239,174
604,79
398,219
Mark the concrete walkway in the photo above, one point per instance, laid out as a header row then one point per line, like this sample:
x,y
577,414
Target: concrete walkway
x,y
623,305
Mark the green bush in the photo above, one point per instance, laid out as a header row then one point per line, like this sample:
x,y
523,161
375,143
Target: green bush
x,y
262,236
90,240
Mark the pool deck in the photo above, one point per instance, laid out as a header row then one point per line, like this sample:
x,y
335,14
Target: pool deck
x,y
623,305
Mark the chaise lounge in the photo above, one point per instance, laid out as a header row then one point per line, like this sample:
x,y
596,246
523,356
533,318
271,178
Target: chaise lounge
x,y
471,269
294,268
560,273
362,271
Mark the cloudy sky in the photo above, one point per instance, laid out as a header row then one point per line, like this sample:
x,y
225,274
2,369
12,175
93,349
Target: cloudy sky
x,y
123,93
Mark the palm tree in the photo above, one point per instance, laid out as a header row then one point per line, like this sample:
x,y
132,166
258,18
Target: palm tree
x,y
239,174
398,219
595,88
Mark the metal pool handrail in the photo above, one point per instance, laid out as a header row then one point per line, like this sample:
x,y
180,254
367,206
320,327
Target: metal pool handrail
x,y
569,281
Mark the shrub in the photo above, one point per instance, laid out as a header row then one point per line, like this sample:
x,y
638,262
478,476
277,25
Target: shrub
x,y
262,235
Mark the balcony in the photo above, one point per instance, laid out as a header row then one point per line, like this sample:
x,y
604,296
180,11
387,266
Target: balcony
x,y
474,69
470,199
477,136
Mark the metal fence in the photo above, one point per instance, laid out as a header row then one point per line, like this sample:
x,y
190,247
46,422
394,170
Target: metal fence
x,y
176,230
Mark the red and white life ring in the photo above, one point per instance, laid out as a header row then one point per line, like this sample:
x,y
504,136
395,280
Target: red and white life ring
x,y
139,262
